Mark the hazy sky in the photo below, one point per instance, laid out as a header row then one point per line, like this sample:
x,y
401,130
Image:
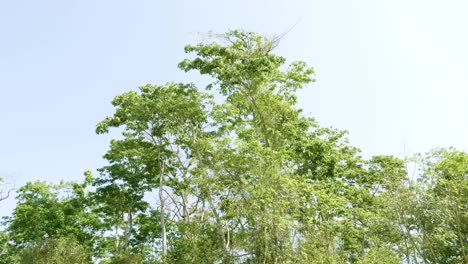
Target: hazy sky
x,y
393,73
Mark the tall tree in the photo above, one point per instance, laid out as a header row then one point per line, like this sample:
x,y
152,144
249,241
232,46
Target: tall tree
x,y
159,125
254,128
236,173
268,162
441,214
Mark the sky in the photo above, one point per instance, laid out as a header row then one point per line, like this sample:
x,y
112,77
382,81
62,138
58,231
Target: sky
x,y
391,72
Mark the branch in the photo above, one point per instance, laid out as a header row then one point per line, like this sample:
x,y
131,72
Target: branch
x,y
8,194
174,202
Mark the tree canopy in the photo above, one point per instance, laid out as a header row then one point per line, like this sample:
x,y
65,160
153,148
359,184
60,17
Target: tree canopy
x,y
234,172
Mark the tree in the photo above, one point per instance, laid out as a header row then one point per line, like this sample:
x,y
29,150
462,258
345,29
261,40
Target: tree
x,y
249,175
45,214
236,173
442,204
160,125
254,127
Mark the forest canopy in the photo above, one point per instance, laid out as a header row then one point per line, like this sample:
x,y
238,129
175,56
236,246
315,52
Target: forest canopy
x,y
234,172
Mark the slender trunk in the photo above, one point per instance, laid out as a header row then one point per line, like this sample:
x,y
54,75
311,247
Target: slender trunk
x,y
404,226
185,207
116,236
162,223
461,236
265,249
265,235
431,249
130,221
363,252
161,211
220,228
129,228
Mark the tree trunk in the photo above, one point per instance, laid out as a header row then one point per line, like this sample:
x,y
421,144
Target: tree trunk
x,y
129,228
161,211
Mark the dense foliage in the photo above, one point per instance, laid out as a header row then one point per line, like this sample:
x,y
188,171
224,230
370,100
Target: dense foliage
x,y
235,173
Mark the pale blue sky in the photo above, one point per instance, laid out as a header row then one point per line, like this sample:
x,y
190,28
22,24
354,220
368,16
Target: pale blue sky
x,y
394,73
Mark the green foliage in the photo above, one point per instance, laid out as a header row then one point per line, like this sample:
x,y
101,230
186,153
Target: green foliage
x,y
45,214
442,208
195,243
44,211
245,178
55,251
125,259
